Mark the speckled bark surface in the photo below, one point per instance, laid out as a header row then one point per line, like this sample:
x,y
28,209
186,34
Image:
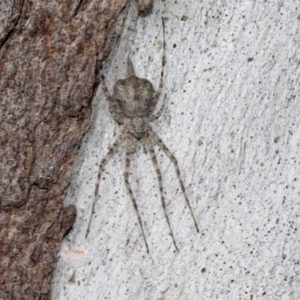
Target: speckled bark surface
x,y
48,71
232,79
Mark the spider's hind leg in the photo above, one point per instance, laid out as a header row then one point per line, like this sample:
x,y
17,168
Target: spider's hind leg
x,y
113,106
159,112
161,80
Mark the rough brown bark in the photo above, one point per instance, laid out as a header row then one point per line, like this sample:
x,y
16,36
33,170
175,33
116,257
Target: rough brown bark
x,y
48,71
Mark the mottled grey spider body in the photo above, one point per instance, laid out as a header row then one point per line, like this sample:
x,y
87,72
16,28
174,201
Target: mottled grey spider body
x,y
135,98
132,105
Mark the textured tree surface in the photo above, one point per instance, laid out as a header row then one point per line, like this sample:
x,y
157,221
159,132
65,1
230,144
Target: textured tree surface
x,y
232,80
48,68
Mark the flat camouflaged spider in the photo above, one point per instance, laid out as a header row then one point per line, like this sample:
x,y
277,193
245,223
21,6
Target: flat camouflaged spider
x,y
132,105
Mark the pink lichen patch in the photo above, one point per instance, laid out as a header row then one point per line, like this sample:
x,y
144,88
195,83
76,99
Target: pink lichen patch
x,y
73,257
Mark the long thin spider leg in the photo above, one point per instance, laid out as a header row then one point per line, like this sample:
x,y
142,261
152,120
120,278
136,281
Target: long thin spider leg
x,y
158,173
127,184
112,103
159,112
173,159
103,163
161,80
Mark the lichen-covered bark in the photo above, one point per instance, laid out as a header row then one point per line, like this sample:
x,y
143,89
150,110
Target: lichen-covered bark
x,y
48,71
232,80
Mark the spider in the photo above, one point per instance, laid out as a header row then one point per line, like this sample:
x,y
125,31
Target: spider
x,y
132,105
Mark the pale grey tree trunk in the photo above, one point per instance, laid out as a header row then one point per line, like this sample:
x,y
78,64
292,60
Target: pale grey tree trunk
x,y
232,120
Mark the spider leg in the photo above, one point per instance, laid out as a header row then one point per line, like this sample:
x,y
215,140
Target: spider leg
x,y
144,149
158,173
103,163
159,112
112,103
173,159
128,187
161,81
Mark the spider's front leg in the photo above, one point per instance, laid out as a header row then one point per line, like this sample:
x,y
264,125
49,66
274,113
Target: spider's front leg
x,y
151,151
103,163
173,159
130,148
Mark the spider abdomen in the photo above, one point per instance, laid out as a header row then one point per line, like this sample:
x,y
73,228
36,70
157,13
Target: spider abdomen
x,y
135,96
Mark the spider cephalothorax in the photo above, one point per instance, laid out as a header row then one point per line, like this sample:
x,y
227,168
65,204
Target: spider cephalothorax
x,y
132,104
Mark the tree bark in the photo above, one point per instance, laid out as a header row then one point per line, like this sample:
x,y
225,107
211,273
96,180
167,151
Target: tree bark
x,y
49,61
232,80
